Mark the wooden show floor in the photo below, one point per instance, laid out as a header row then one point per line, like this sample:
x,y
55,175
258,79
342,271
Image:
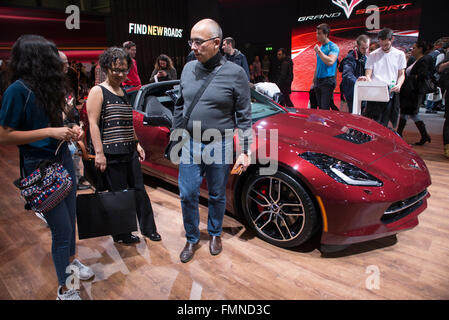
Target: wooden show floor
x,y
413,265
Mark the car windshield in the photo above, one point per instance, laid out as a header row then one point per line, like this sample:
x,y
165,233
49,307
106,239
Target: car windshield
x,y
263,107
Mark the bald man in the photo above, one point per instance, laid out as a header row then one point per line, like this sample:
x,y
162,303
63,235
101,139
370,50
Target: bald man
x,y
223,106
71,75
64,60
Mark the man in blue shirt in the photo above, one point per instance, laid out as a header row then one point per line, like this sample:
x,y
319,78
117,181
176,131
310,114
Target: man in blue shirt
x,y
326,67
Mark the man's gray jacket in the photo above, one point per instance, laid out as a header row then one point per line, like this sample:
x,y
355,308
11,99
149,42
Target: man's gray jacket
x,y
225,104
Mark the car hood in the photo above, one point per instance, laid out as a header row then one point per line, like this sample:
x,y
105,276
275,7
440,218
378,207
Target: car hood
x,y
347,137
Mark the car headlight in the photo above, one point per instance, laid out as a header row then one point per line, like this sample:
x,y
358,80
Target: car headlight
x,y
341,171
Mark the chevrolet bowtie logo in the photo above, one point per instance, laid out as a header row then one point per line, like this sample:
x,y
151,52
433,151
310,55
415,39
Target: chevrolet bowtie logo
x,y
347,8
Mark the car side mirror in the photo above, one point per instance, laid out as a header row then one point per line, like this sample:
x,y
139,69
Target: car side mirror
x,y
157,115
161,120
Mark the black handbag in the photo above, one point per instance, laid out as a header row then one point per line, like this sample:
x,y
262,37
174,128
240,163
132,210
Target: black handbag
x,y
106,213
427,86
185,119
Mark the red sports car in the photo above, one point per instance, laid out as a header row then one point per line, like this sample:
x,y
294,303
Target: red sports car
x,y
344,175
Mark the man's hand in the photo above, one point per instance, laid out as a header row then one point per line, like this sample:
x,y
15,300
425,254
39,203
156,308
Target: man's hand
x,y
396,89
317,48
363,78
141,152
244,160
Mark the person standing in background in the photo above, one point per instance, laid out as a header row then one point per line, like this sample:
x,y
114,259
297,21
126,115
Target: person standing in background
x,y
74,115
234,55
92,74
163,70
386,64
434,100
257,69
265,67
353,67
411,95
100,76
284,76
326,67
133,79
443,71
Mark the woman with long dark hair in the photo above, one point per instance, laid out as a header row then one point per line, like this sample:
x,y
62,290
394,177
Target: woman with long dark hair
x,y
32,117
411,94
117,150
163,69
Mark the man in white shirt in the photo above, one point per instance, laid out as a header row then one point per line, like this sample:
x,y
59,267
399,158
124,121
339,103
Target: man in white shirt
x,y
386,64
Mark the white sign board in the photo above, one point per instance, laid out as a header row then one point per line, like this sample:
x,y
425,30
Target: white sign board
x,y
369,91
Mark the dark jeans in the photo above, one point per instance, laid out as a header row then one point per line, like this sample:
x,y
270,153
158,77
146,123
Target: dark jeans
x,y
190,178
324,91
61,219
350,103
383,112
125,172
312,99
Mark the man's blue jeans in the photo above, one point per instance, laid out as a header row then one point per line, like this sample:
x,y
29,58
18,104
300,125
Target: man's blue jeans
x,y
191,171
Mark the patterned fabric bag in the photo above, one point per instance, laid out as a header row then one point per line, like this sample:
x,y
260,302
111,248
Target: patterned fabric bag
x,y
46,187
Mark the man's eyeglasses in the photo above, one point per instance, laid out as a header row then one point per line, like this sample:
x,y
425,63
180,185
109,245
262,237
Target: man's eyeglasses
x,y
198,42
118,71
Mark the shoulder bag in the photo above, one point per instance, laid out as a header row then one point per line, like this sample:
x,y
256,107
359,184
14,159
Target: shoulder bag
x,y
185,119
46,186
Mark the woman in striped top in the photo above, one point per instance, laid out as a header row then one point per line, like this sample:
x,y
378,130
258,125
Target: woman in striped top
x,y
117,150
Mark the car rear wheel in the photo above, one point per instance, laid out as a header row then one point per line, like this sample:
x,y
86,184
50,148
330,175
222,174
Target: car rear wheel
x,y
278,209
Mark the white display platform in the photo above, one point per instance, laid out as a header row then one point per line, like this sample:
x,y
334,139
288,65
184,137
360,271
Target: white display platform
x,y
369,91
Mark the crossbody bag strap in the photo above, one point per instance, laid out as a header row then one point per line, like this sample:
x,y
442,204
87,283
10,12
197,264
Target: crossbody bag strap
x,y
200,92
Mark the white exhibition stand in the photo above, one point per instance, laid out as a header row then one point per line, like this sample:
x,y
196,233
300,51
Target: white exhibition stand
x,y
369,91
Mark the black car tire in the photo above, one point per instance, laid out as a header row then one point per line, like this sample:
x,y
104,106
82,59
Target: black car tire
x,y
286,219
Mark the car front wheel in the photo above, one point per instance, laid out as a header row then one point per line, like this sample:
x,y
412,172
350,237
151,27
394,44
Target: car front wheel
x,y
279,209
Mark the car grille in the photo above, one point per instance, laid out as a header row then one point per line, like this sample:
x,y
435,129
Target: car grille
x,y
400,209
355,136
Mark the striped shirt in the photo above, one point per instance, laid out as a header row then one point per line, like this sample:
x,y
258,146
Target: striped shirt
x,y
117,124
